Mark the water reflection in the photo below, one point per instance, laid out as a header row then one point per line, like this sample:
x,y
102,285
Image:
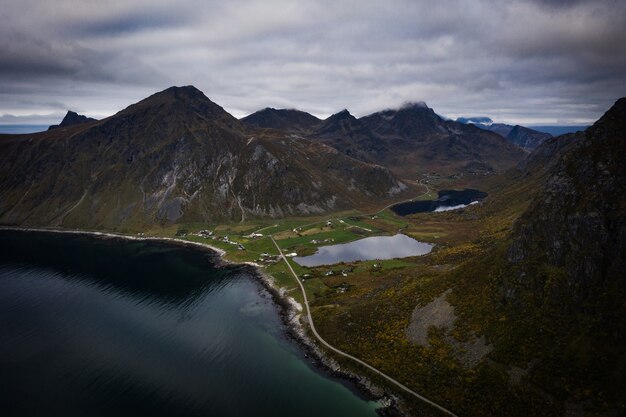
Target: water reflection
x,y
114,328
375,247
446,200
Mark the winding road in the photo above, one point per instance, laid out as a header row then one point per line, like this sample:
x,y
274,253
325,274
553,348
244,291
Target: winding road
x,y
347,355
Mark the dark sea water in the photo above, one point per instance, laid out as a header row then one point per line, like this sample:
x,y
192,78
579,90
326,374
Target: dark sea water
x,y
446,199
559,130
21,129
92,327
375,247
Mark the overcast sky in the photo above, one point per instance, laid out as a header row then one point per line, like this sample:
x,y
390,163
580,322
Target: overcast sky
x,y
531,61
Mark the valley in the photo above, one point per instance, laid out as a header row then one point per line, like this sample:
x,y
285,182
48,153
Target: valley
x,y
458,329
289,208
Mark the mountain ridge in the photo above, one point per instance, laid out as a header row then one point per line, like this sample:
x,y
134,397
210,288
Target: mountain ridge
x,y
176,156
522,136
71,119
290,120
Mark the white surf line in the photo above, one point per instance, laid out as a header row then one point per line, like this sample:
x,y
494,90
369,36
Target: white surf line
x,y
347,355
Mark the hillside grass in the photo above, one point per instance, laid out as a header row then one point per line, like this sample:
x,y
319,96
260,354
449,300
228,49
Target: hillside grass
x,y
367,312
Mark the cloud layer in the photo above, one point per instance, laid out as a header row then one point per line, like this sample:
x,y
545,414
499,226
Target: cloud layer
x,y
526,61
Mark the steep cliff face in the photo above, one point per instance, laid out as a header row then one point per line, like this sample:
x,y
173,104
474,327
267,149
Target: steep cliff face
x,y
175,156
577,222
562,284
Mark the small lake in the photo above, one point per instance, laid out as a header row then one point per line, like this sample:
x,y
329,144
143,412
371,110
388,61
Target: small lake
x,y
370,248
446,200
93,327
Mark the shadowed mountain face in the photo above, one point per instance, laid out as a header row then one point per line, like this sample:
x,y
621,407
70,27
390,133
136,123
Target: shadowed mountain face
x,y
548,290
577,223
562,279
524,137
350,136
527,139
72,119
287,120
567,264
175,156
414,140
409,141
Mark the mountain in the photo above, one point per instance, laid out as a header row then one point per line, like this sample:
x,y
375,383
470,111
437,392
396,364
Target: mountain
x,y
550,287
72,119
414,139
350,136
568,260
409,141
288,120
577,223
175,156
524,137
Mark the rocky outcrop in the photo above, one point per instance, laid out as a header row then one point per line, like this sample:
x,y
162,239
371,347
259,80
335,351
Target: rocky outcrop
x,y
576,225
72,119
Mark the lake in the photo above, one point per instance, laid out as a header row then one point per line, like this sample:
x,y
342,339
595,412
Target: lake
x,y
375,247
446,200
103,327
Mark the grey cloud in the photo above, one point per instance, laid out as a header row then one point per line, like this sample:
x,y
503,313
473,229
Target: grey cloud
x,y
523,61
128,23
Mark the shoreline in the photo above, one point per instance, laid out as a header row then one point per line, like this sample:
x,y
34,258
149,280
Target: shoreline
x,y
289,310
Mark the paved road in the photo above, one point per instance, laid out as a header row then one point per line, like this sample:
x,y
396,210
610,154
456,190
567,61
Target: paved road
x,y
347,355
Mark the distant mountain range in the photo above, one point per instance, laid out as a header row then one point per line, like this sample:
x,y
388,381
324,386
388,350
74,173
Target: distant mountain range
x,y
526,137
176,156
410,140
560,130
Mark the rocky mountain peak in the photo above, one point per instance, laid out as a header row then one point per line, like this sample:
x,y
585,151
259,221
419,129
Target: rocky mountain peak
x,y
412,120
342,115
72,119
613,122
185,101
291,120
342,121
